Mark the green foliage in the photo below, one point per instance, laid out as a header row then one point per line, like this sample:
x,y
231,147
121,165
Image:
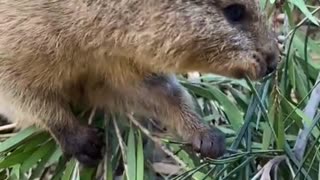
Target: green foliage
x,y
261,121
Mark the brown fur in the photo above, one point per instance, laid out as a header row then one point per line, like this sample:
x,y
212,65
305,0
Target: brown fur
x,y
120,55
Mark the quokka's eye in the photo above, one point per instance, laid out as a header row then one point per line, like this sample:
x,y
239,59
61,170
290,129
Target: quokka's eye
x,y
235,13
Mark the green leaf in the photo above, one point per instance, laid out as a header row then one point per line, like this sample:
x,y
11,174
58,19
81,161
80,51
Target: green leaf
x,y
17,139
87,174
15,158
140,158
55,156
69,170
131,156
267,136
37,155
302,6
233,113
44,162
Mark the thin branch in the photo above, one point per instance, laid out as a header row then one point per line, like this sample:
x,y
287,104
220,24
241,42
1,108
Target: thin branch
x,y
92,114
266,169
8,127
122,146
155,140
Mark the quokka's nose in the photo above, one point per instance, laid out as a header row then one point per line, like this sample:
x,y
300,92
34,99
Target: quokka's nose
x,y
271,56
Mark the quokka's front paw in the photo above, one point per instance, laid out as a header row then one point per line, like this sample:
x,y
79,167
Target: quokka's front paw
x,y
85,145
209,143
